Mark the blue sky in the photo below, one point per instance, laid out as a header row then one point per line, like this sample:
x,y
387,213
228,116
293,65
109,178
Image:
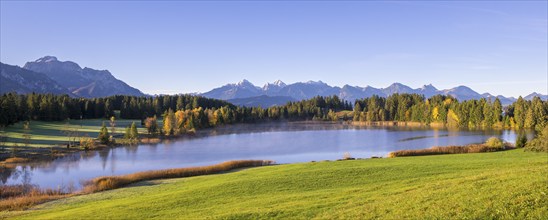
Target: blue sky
x,y
179,47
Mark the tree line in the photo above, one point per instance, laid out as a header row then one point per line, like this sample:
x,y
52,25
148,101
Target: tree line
x,y
47,107
188,112
188,120
446,110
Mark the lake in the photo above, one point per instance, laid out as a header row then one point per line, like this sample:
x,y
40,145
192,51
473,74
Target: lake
x,y
281,142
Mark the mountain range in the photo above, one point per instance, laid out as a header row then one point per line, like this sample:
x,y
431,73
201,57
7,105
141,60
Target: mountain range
x,y
263,101
49,75
245,91
17,79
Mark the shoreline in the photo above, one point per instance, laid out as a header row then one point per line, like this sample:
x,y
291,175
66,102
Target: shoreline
x,y
22,197
44,154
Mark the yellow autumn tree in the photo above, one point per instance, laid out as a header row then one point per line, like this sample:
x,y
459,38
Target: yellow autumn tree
x,y
169,122
452,119
180,119
435,114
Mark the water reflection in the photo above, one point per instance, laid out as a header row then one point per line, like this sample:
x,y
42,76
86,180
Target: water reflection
x,y
282,142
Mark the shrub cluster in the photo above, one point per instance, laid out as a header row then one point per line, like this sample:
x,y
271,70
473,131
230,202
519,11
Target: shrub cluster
x,y
495,143
540,142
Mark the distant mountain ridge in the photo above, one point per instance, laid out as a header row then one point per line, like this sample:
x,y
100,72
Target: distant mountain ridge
x,y
17,79
263,101
49,75
83,82
299,91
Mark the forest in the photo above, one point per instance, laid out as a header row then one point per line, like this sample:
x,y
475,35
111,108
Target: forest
x,y
186,112
482,113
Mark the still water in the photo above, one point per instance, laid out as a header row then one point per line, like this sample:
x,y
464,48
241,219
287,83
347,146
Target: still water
x,y
281,142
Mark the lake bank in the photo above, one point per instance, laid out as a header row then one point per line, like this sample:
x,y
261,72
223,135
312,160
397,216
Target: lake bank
x,y
281,142
49,141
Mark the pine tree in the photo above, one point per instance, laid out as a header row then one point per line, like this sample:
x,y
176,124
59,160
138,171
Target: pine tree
x,y
497,110
529,121
180,103
103,135
489,117
540,112
169,122
520,112
127,134
134,134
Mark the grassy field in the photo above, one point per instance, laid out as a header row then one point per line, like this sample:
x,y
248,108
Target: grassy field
x,y
509,184
46,134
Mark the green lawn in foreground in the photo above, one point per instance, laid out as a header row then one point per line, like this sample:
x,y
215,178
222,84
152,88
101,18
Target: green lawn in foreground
x,y
45,134
510,184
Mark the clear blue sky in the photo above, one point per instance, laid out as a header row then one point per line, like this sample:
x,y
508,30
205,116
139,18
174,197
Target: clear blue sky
x,y
179,47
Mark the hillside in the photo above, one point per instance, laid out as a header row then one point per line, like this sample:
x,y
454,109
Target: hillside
x,y
84,82
508,185
17,79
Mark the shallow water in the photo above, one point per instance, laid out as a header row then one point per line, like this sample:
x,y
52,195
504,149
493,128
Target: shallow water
x,y
281,142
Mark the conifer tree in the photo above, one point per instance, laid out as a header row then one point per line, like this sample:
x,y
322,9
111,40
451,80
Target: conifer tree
x,y
127,134
134,134
103,135
169,122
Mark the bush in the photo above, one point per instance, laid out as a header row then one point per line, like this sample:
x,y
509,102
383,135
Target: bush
x,y
87,143
540,142
521,141
495,143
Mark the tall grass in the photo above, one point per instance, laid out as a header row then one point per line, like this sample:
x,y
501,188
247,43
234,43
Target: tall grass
x,y
472,148
20,197
113,182
16,160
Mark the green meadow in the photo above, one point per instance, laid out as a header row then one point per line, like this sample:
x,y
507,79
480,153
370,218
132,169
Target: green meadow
x,y
47,134
508,184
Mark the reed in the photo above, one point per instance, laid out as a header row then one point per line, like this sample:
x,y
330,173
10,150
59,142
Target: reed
x,y
472,148
20,197
16,160
113,182
151,140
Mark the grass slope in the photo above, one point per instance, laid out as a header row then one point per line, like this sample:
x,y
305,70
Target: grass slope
x,y
509,184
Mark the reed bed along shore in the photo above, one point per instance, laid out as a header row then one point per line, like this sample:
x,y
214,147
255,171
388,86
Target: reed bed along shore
x,y
113,182
472,148
21,197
